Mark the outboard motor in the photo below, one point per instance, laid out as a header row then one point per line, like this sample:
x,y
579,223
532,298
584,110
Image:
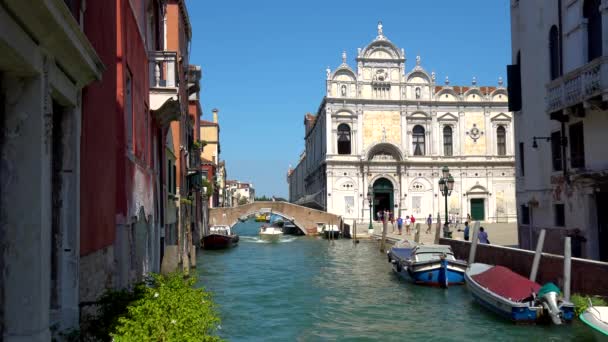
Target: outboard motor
x,y
548,295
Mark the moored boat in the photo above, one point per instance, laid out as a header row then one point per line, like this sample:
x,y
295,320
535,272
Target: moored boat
x,y
270,234
331,232
433,265
219,237
596,317
515,297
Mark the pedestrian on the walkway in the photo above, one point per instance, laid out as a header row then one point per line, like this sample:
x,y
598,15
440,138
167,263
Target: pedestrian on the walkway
x,y
408,222
469,217
379,215
576,244
483,236
466,230
429,222
399,224
446,231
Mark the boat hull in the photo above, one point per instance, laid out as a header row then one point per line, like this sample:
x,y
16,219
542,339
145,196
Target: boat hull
x,y
599,327
218,241
437,272
521,312
271,237
331,234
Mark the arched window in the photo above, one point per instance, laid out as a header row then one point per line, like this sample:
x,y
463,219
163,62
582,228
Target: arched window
x,y
501,141
343,139
447,141
591,12
554,55
418,140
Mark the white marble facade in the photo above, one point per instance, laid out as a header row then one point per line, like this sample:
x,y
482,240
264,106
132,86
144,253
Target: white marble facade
x,y
395,129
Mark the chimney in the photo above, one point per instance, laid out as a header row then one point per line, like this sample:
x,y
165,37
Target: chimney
x,y
214,111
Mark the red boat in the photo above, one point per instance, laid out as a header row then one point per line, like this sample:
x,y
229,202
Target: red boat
x,y
219,237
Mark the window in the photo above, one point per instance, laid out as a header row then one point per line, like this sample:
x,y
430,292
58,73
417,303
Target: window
x,y
525,214
129,111
343,139
501,141
577,146
591,12
522,169
418,139
556,150
447,141
560,215
554,55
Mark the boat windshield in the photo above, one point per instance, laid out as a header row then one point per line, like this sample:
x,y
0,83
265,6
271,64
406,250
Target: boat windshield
x,y
428,256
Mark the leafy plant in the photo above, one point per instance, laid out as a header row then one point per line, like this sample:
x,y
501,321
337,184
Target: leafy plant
x,y
169,310
209,185
581,302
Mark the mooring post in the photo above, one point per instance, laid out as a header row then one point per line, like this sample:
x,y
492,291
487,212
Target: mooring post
x,y
438,230
567,267
384,226
537,254
417,236
354,231
473,249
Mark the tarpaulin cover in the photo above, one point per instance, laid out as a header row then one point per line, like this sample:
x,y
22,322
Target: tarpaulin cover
x,y
507,283
401,253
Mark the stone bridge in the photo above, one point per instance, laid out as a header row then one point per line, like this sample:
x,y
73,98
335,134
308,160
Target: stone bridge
x,y
306,219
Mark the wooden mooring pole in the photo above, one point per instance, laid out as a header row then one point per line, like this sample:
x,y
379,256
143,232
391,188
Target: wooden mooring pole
x,y
537,254
384,226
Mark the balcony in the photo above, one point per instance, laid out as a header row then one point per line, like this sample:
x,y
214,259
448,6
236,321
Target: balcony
x,y
581,86
164,86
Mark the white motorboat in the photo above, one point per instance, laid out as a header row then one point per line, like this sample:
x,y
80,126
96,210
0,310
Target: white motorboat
x,y
271,234
596,317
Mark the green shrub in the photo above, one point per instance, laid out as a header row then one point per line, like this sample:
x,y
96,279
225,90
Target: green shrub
x,y
169,310
581,302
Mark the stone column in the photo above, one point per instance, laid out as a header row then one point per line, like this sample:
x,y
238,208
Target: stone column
x,y
25,208
404,133
461,132
433,132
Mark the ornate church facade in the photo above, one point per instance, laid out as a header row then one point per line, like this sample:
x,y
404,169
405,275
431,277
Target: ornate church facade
x,y
383,130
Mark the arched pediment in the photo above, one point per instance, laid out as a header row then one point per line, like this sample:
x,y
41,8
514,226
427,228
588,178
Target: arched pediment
x,y
344,73
381,49
473,94
451,94
384,151
416,75
477,189
344,112
420,184
500,95
419,115
448,117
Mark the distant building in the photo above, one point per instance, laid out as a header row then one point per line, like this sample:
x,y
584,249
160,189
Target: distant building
x,y
239,193
383,128
559,93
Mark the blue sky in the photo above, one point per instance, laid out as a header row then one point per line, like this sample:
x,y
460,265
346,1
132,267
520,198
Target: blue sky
x,y
264,63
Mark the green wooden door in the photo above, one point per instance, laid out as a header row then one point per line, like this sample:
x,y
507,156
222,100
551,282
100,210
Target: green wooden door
x,y
477,209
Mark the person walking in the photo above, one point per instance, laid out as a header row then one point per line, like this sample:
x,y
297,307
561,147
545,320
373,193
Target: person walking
x,y
466,230
399,224
408,222
379,215
429,223
483,236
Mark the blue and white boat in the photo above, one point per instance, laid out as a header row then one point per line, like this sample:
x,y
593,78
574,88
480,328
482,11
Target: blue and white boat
x,y
432,265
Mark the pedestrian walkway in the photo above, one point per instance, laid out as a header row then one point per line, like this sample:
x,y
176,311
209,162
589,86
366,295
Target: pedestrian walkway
x,y
504,234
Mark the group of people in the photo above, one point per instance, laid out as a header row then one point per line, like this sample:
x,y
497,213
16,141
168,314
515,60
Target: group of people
x,y
482,236
409,221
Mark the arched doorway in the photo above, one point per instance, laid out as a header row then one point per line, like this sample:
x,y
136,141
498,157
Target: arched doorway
x,y
383,196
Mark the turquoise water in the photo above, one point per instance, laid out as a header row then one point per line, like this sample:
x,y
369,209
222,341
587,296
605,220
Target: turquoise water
x,y
310,289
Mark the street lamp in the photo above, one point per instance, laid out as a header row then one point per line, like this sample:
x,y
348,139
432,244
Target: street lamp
x,y
370,197
446,184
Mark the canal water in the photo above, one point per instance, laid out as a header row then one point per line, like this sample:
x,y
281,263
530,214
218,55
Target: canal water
x,y
310,289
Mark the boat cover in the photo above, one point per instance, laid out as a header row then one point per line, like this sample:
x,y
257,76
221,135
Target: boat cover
x,y
507,283
401,253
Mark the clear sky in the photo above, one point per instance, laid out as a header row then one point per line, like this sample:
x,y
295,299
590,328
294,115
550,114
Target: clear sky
x,y
264,64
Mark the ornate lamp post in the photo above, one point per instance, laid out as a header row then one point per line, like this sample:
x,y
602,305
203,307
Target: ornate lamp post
x,y
370,198
446,184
